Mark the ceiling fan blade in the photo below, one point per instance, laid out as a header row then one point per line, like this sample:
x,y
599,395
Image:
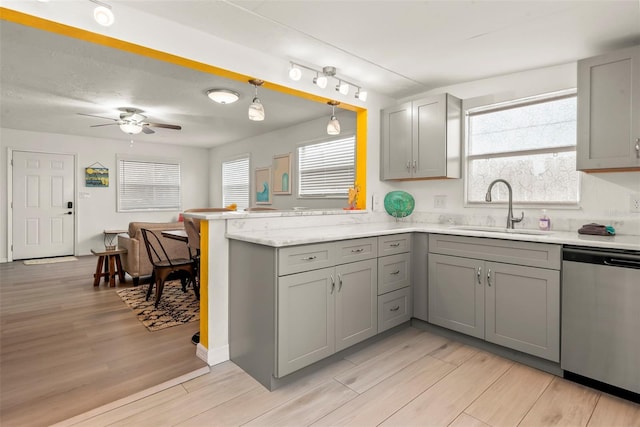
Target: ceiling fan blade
x,y
145,129
106,124
163,125
100,117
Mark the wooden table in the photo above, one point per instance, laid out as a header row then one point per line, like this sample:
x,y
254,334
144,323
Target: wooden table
x,y
180,235
110,259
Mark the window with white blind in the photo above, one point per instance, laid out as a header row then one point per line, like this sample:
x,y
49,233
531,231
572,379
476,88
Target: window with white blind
x,y
530,143
235,182
327,169
148,185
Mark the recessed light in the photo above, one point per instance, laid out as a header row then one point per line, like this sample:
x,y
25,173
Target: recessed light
x,y
103,16
223,96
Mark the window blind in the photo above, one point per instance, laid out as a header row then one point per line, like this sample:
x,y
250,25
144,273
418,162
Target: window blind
x,y
148,185
235,183
326,169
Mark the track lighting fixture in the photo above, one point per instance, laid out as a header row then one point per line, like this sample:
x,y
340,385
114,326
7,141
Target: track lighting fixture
x,y
321,79
256,109
333,127
102,13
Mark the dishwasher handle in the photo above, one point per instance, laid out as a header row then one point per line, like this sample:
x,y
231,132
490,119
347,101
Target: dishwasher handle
x,y
602,257
618,262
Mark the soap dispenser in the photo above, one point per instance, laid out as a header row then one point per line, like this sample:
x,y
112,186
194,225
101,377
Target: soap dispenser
x,y
544,223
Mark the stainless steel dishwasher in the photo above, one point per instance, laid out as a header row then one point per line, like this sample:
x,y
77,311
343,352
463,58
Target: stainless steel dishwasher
x,y
601,315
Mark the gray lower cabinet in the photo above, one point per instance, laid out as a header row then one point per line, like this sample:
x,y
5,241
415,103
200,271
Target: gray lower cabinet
x,y
513,305
324,311
394,280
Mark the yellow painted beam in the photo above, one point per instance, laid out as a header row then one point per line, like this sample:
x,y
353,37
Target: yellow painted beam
x,y
361,157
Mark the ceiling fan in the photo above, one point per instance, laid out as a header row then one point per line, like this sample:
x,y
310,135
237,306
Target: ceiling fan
x,y
132,122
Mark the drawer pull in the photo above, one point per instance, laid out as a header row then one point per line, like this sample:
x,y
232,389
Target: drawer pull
x,y
395,272
339,282
479,273
309,258
357,251
333,284
396,308
394,245
489,277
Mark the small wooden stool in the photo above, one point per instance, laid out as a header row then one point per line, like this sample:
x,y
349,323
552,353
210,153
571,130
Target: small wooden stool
x,y
110,259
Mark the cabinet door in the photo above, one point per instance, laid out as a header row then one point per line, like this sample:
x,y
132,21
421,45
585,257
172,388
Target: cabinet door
x,y
305,319
609,111
396,142
356,302
456,294
523,309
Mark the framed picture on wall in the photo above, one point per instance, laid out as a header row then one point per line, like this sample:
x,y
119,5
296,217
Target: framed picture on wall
x,y
282,174
263,186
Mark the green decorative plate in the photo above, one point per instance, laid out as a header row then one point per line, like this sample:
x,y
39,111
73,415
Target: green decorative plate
x,y
399,204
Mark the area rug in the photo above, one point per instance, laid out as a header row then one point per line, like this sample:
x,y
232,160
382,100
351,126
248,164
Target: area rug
x,y
175,307
49,260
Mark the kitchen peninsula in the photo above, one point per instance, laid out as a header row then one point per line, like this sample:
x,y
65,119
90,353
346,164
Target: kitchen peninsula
x,y
273,232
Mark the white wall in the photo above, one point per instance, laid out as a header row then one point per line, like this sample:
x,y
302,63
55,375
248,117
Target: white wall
x,y
261,150
604,197
98,211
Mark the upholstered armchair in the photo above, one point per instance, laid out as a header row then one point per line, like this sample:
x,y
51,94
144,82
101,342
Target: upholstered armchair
x,y
136,261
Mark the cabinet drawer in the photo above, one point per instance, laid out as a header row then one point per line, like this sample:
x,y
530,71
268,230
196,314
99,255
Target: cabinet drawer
x,y
295,259
394,244
394,272
394,308
531,254
356,250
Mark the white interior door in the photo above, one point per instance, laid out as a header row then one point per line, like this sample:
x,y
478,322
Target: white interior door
x,y
43,205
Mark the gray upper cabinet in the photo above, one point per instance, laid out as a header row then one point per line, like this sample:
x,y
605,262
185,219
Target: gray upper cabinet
x,y
609,111
421,139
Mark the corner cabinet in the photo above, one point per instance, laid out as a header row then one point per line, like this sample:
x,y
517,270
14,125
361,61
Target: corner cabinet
x,y
505,292
422,139
609,111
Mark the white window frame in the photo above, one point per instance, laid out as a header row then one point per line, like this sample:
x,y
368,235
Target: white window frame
x,y
153,160
547,97
299,181
243,156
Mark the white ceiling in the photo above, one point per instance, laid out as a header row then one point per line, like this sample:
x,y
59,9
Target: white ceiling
x,y
396,48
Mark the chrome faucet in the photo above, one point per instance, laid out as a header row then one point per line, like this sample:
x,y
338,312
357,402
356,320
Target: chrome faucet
x,y
511,220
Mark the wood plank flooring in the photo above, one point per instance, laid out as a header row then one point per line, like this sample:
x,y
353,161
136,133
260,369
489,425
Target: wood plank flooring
x,y
67,347
411,378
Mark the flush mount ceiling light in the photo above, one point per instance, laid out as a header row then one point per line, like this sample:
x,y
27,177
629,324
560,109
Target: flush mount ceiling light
x,y
256,109
321,79
102,13
223,96
333,127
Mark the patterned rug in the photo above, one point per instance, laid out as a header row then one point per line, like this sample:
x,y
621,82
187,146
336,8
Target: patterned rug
x,y
175,307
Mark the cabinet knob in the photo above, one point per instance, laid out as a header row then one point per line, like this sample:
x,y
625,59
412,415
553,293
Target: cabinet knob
x,y
357,251
395,272
479,273
309,258
333,283
637,148
339,282
489,277
396,308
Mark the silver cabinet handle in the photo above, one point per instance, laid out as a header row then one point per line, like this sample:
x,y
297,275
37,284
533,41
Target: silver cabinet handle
x,y
408,165
395,272
415,165
333,283
489,277
479,273
309,258
394,245
340,282
638,148
396,308
357,251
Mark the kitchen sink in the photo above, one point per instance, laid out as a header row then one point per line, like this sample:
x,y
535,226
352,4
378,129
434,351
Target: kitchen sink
x,y
502,230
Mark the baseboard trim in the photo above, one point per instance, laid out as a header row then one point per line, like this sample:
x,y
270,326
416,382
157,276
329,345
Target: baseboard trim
x,y
132,398
213,356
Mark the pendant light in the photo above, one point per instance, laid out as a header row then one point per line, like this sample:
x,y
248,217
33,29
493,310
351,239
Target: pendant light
x,y
256,109
333,127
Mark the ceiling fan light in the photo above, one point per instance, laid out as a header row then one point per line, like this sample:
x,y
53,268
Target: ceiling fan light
x,y
103,16
333,127
295,73
131,128
256,110
223,96
320,81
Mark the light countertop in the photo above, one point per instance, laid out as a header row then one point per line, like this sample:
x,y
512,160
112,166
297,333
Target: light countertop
x,y
299,236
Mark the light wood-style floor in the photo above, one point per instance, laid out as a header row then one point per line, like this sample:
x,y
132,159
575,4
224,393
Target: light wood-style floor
x,y
410,378
67,347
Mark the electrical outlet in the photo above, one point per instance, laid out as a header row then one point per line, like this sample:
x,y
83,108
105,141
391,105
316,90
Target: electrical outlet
x,y
440,202
634,204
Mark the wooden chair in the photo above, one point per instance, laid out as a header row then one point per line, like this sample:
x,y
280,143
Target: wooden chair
x,y
193,242
164,266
